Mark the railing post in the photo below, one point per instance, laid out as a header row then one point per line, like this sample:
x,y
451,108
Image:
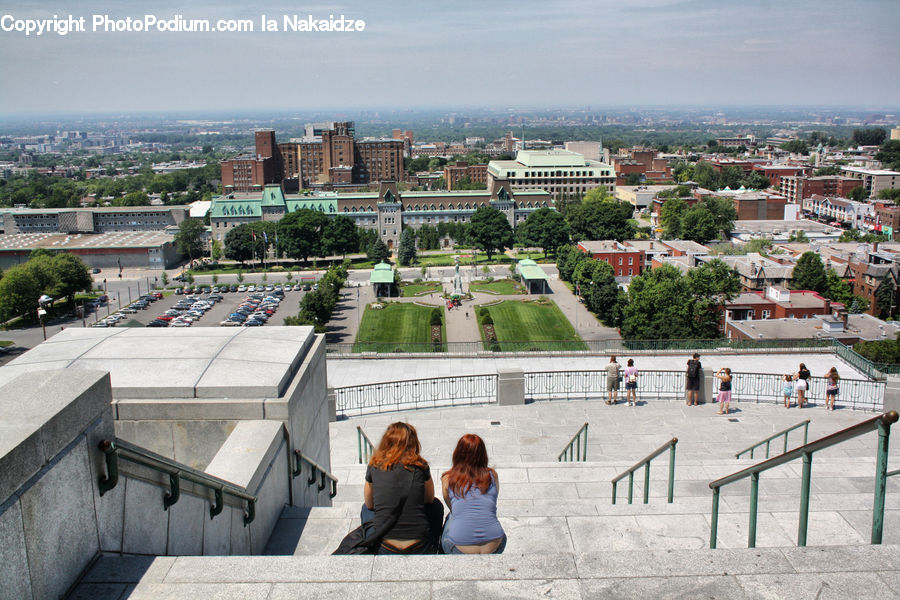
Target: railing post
x,y
786,442
805,432
754,497
804,499
614,492
647,482
714,519
884,434
585,440
672,471
630,486
767,448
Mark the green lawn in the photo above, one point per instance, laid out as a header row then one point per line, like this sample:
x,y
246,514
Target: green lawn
x,y
6,343
400,327
502,287
522,326
419,289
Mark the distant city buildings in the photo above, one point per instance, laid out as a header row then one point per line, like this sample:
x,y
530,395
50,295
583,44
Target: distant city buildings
x,y
325,158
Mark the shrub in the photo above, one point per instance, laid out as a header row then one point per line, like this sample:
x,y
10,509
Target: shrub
x,y
435,316
486,319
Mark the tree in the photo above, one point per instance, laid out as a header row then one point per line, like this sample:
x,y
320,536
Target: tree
x,y
633,179
886,300
889,194
340,236
215,252
796,147
698,224
889,154
546,229
239,244
869,137
240,277
712,284
19,293
858,194
798,236
670,217
164,279
428,237
189,239
71,275
809,273
406,252
659,306
215,279
601,219
836,289
597,283
42,269
489,231
302,231
378,251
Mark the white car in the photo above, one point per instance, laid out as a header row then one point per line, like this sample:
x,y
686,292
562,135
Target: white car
x,y
179,323
242,288
230,324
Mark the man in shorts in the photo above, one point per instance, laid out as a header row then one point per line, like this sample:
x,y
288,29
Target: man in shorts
x,y
692,380
612,380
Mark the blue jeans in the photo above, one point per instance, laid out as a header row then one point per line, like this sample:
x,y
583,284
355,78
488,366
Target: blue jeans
x,y
450,548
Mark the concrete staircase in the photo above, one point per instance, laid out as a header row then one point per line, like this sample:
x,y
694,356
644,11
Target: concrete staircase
x,y
566,539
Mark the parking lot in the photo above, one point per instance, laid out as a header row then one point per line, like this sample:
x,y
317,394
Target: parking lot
x,y
213,317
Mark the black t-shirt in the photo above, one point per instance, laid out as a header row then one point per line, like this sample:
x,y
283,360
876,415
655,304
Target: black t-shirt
x,y
387,489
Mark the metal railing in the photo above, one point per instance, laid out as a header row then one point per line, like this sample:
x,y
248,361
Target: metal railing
x,y
575,346
314,471
415,393
576,449
881,423
114,450
784,432
364,447
645,462
858,394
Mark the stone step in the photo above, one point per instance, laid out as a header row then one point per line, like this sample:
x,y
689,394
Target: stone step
x,y
860,572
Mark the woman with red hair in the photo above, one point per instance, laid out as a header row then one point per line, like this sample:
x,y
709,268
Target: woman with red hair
x,y
399,495
470,491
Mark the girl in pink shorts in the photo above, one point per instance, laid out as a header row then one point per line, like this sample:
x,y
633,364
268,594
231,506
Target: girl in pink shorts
x,y
724,397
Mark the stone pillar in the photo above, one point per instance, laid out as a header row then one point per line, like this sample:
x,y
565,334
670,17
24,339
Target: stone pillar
x,y
892,393
510,387
707,381
332,406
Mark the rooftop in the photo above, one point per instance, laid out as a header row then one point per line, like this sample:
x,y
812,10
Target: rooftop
x,y
862,326
62,241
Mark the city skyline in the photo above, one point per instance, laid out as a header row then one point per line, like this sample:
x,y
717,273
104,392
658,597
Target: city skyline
x,y
414,55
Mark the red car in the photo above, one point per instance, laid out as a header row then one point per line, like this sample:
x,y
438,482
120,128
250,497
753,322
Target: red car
x,y
157,295
164,318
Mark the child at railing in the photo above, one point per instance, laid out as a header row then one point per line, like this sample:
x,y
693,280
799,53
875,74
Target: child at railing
x,y
788,389
831,388
724,397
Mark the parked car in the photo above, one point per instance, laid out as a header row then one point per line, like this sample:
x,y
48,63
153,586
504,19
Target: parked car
x,y
179,290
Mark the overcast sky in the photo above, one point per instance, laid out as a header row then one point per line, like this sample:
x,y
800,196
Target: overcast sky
x,y
422,53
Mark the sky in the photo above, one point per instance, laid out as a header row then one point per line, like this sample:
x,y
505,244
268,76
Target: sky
x,y
424,53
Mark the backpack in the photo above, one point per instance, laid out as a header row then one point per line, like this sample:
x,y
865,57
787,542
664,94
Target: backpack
x,y
693,369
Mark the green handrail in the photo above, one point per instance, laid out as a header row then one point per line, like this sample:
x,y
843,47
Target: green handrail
x,y
881,423
770,439
113,450
645,462
576,449
364,447
314,469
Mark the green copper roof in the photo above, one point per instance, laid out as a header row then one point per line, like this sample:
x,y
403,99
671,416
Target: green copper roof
x,y
530,270
325,205
272,196
382,273
235,208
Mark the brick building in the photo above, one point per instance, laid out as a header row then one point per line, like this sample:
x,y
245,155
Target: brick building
x,y
332,158
796,187
774,173
643,162
475,173
777,303
626,261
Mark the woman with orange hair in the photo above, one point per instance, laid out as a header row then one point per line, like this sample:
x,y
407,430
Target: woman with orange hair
x,y
470,490
399,495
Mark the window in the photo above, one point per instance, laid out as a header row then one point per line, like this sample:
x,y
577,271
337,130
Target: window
x,y
765,314
620,260
630,260
631,271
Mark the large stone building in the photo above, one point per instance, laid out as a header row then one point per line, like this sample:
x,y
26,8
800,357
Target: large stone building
x,y
329,157
874,180
562,173
386,210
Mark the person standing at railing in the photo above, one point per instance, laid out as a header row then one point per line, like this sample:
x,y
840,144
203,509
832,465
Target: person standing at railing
x,y
631,374
724,397
788,389
470,491
831,388
612,380
692,379
802,378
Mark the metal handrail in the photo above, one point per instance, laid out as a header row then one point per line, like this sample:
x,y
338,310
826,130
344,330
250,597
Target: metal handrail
x,y
364,446
113,450
645,462
315,468
881,423
768,440
575,450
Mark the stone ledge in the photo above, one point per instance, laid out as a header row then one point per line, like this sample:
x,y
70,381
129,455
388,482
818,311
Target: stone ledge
x,y
247,453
